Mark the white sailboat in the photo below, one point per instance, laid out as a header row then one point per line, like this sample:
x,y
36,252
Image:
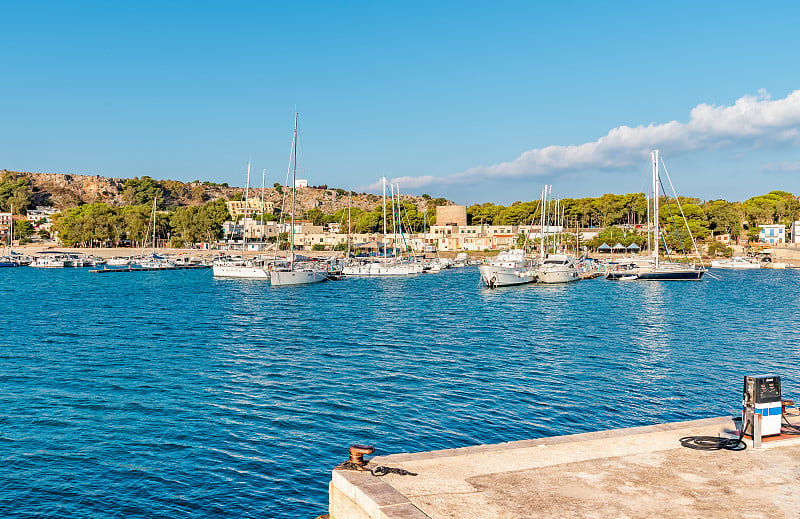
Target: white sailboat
x,y
254,268
153,260
295,273
557,267
658,270
9,261
394,266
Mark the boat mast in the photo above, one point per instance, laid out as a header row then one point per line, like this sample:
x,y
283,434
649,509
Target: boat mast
x,y
247,190
11,233
400,224
542,208
263,226
246,209
383,179
394,224
349,206
154,226
294,173
654,157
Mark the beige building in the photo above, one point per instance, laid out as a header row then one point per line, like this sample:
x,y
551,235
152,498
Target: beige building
x,y
251,206
451,215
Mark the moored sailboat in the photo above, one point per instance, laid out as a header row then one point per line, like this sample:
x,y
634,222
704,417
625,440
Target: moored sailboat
x,y
556,267
9,260
295,273
658,270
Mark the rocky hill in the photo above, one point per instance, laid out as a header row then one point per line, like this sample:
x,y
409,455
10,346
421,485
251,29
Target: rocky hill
x,y
63,191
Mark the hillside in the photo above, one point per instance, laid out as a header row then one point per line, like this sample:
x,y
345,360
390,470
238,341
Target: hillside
x,y
63,191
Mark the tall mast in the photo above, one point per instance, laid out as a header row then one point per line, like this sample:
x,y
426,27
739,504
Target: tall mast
x,y
263,226
654,157
11,233
383,179
349,205
246,208
247,190
154,225
541,223
394,223
294,173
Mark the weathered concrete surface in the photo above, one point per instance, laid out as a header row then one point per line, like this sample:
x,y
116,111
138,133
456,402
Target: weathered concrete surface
x,y
629,473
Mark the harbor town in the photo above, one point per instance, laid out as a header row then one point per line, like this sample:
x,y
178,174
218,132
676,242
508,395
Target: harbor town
x,y
399,260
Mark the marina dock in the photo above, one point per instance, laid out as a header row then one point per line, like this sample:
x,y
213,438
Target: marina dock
x,y
640,472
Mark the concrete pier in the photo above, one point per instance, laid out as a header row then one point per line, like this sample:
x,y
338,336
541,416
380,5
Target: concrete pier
x,y
641,472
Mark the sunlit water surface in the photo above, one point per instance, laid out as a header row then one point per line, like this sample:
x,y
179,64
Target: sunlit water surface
x,y
173,394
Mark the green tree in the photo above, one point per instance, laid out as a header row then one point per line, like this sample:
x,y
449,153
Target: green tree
x,y
15,191
723,217
316,216
23,229
142,191
210,219
716,248
135,222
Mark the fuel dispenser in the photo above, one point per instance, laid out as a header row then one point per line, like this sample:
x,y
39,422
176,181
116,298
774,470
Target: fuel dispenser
x,y
762,395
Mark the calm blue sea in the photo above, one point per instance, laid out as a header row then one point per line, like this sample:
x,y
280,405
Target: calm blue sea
x,y
173,394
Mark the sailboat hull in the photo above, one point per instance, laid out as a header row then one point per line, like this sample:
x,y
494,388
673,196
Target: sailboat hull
x,y
238,271
657,274
377,269
671,275
296,277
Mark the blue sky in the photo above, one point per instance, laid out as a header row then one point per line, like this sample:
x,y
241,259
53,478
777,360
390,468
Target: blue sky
x,y
471,101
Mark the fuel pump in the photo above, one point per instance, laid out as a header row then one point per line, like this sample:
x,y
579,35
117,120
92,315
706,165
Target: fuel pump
x,y
762,395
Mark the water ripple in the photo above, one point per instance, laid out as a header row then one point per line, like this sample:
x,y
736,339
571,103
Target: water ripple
x,y
174,394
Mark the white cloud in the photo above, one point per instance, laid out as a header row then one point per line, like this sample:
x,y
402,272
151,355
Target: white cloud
x,y
781,167
751,121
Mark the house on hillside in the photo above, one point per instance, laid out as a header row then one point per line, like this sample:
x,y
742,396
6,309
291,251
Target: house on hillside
x,y
772,234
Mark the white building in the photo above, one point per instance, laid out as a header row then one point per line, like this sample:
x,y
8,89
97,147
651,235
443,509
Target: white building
x,y
772,234
300,182
794,230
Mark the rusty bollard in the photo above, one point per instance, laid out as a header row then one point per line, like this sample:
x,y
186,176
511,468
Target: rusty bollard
x,y
357,452
356,460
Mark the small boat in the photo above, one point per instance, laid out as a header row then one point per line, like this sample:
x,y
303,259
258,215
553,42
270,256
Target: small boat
x,y
510,267
558,268
629,277
255,268
118,262
50,259
736,262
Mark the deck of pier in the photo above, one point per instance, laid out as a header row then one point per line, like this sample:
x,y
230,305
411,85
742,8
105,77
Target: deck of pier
x,y
641,472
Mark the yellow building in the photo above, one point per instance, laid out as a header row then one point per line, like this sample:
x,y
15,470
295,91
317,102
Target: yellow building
x,y
249,207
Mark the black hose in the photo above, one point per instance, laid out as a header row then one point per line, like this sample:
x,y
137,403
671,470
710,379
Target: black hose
x,y
715,443
793,429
